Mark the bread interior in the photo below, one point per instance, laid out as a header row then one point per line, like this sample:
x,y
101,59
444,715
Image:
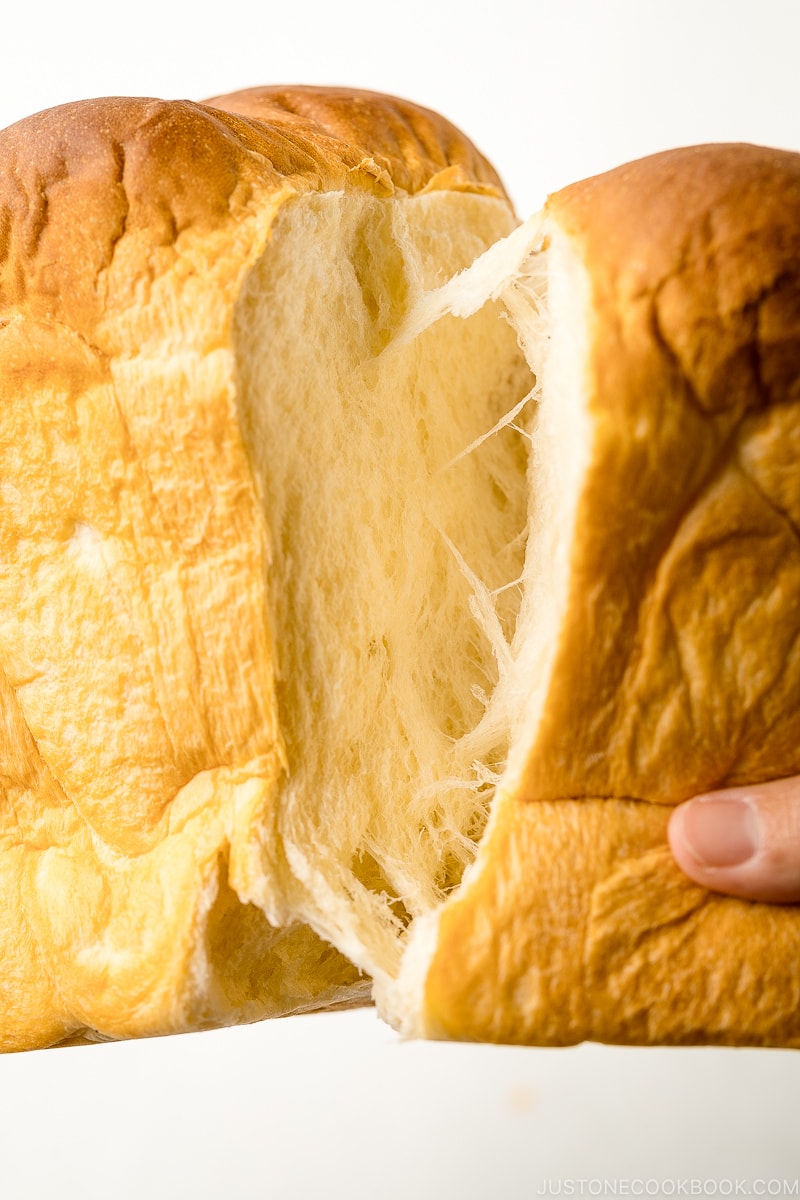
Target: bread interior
x,y
539,279
391,459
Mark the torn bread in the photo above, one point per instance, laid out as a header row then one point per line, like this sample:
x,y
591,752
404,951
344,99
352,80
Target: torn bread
x,y
362,616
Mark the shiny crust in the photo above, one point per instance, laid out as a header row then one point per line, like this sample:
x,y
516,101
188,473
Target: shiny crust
x,y
690,513
677,667
413,147
135,778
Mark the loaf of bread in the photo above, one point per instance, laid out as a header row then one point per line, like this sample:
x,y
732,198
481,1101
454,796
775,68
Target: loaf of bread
x,y
377,572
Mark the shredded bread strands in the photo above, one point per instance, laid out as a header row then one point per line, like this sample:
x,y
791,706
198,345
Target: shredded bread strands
x,y
524,297
411,815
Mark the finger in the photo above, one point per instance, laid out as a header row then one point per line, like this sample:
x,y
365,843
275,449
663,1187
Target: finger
x,y
743,841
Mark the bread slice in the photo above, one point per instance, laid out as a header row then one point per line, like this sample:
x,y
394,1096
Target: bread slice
x,y
340,518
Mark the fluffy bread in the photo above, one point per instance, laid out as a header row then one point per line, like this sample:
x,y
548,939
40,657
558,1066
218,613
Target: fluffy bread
x,y
320,542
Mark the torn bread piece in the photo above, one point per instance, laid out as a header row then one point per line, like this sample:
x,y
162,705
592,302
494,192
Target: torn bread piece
x,y
662,654
240,539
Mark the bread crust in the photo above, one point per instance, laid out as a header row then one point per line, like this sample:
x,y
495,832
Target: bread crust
x,y
140,748
676,667
416,148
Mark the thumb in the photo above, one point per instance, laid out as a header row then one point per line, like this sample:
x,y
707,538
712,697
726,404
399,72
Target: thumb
x,y
743,841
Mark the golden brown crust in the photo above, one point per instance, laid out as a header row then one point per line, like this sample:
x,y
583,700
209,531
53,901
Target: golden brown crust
x,y
677,666
581,927
416,148
694,258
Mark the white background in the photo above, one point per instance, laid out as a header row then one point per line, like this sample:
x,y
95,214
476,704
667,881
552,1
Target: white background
x,y
550,91
335,1105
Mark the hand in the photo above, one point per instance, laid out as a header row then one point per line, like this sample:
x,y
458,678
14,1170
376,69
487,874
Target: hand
x,y
743,841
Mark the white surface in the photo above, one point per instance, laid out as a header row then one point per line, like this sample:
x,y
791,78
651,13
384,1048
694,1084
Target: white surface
x,y
335,1106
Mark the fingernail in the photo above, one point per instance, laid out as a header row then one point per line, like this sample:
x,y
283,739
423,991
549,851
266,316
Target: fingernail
x,y
720,831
